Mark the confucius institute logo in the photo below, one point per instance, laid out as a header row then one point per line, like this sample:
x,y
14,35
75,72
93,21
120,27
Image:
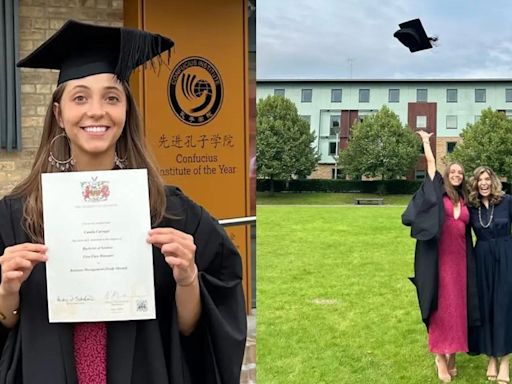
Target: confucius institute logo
x,y
195,90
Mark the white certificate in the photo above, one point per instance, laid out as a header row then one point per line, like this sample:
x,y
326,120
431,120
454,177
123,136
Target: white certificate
x,y
99,267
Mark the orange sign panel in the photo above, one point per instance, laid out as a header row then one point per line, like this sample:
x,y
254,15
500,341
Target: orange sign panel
x,y
196,107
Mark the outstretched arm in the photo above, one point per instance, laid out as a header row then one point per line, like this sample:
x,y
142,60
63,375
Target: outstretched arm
x,y
431,161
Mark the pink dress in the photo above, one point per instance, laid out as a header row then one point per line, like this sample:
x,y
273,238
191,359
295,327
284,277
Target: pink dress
x,y
90,343
447,331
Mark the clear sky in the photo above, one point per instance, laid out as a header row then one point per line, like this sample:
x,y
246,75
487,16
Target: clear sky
x,y
340,39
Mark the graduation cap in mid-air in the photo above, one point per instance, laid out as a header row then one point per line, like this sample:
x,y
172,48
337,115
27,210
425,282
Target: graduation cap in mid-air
x,y
413,36
79,49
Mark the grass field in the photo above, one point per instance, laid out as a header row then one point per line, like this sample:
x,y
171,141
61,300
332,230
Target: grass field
x,y
321,198
334,303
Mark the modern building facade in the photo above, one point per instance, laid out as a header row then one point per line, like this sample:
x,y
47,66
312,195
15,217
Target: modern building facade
x,y
442,106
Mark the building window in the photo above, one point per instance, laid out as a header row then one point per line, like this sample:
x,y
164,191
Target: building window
x,y
307,118
451,122
421,122
451,95
334,126
338,172
477,117
10,116
419,175
508,95
364,95
421,95
450,146
332,148
335,95
394,96
480,95
363,114
307,95
279,92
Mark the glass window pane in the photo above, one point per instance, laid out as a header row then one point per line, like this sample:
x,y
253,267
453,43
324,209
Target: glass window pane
x,y
421,122
508,95
10,92
419,175
450,146
480,95
334,127
336,95
307,95
451,122
279,92
306,118
364,95
394,96
451,95
421,95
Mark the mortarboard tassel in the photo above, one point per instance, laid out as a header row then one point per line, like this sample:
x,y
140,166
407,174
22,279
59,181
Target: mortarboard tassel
x,y
136,48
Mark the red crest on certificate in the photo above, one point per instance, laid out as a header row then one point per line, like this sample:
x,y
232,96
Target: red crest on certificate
x,y
95,190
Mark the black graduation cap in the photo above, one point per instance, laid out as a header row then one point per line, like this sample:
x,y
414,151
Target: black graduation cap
x,y
78,50
413,36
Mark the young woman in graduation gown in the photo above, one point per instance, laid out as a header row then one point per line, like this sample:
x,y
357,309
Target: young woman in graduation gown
x,y
444,265
491,218
92,123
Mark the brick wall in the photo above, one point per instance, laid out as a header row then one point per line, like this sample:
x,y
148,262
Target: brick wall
x,y
441,144
323,171
38,20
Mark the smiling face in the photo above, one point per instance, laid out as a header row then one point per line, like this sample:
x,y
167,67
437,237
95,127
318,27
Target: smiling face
x,y
455,175
484,184
92,111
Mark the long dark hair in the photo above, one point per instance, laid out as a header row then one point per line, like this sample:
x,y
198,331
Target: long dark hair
x,y
131,146
455,193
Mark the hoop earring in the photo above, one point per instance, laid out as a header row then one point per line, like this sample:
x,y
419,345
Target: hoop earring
x,y
63,166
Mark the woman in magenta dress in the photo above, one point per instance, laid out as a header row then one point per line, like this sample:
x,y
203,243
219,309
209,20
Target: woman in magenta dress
x,y
439,219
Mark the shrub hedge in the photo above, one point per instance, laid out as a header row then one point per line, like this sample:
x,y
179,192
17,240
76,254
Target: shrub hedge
x,y
382,187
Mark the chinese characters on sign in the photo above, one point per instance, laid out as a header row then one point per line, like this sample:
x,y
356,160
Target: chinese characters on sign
x,y
197,164
200,141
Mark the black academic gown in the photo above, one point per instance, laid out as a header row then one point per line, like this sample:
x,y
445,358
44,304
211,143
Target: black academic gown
x,y
425,216
146,351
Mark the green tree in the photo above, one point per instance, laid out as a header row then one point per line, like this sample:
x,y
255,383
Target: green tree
x,y
380,146
486,142
284,141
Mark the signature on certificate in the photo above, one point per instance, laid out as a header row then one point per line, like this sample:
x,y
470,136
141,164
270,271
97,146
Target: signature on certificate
x,y
75,299
115,296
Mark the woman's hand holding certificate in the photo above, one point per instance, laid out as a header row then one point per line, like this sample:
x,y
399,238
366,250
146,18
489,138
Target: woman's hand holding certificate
x,y
179,251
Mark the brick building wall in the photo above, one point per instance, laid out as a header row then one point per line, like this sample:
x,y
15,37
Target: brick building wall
x,y
441,145
322,171
39,19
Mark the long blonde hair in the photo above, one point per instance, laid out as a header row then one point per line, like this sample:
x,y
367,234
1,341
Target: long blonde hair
x,y
130,146
496,187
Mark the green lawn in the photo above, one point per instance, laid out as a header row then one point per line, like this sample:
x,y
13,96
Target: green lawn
x,y
322,198
334,303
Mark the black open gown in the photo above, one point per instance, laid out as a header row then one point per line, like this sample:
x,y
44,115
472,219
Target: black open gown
x,y
147,351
